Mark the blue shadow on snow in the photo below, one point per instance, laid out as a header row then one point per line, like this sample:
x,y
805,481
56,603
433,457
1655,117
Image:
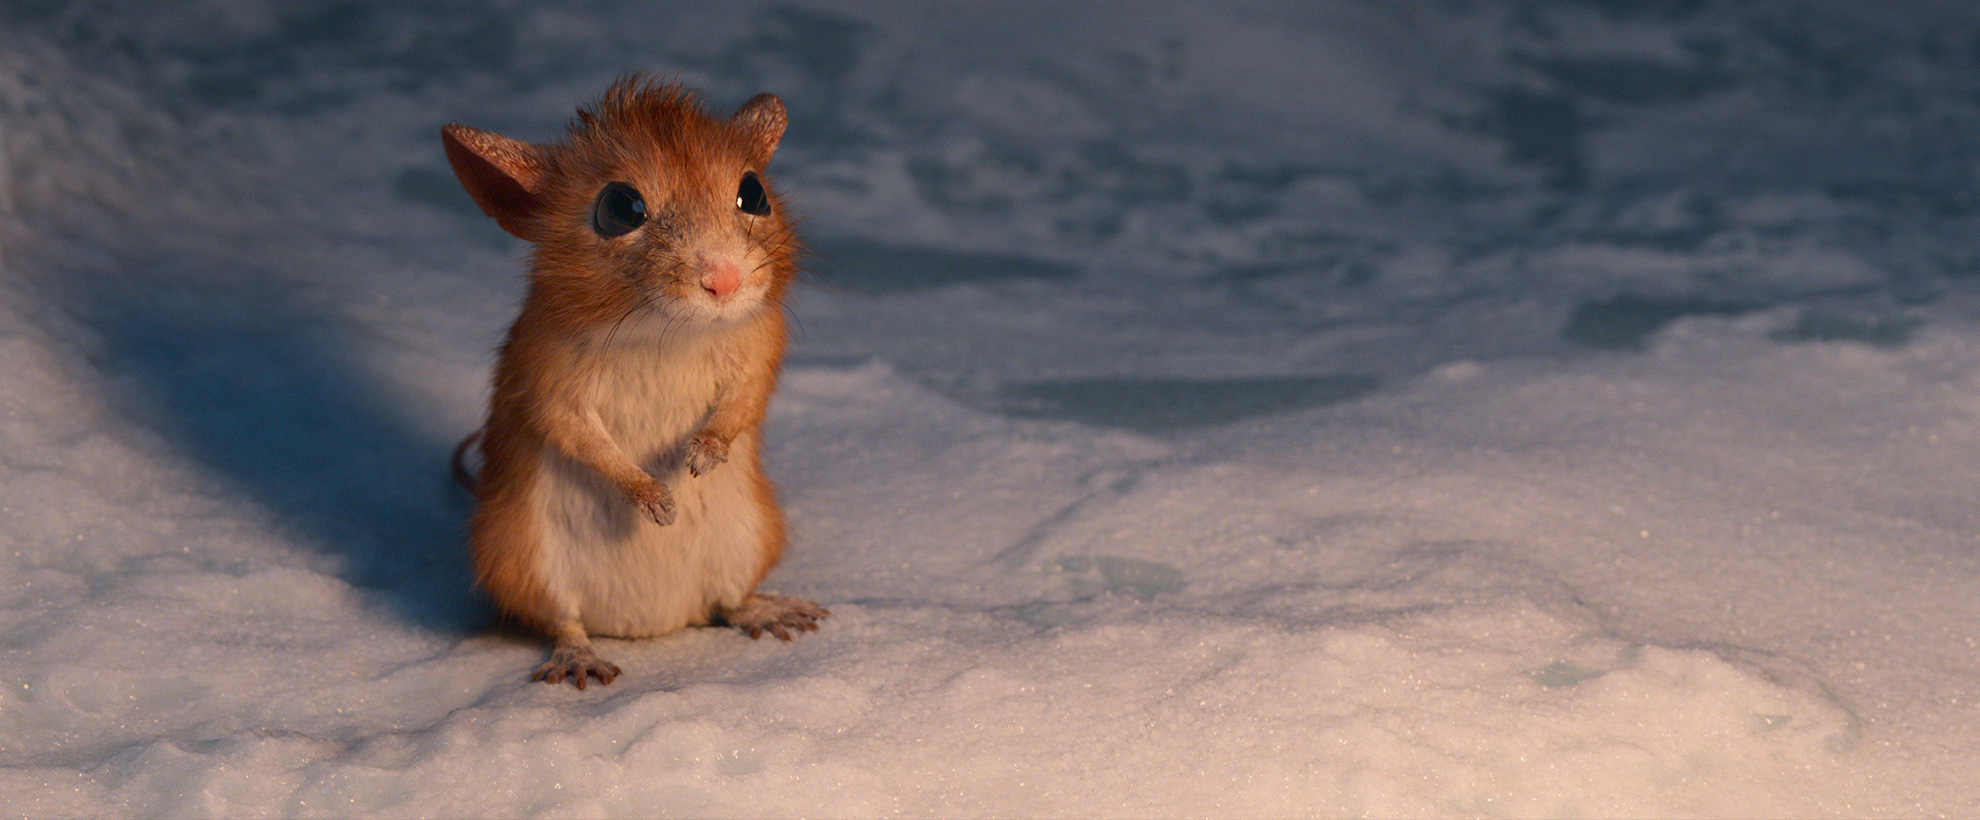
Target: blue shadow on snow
x,y
269,396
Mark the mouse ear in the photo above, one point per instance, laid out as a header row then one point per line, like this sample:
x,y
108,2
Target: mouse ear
x,y
504,176
761,121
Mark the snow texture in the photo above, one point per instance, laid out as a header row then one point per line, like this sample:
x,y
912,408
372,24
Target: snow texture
x,y
1220,410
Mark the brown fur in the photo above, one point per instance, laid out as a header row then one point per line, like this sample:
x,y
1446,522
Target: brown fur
x,y
589,299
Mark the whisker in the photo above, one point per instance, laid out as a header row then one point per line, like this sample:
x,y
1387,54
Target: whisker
x,y
612,335
793,316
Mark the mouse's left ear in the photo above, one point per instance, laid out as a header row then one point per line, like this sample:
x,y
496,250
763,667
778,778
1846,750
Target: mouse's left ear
x,y
761,121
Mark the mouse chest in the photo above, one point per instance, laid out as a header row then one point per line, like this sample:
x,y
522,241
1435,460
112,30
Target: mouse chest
x,y
654,397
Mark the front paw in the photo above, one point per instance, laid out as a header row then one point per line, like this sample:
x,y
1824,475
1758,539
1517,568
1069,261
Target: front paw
x,y
705,452
655,500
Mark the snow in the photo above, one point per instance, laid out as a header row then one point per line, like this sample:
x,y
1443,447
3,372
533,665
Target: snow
x,y
1483,409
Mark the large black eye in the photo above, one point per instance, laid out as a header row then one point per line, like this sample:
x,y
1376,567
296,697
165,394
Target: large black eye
x,y
618,211
750,196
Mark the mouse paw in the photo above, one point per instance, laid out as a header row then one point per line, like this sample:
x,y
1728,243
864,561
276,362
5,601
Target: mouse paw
x,y
705,452
655,500
577,664
775,614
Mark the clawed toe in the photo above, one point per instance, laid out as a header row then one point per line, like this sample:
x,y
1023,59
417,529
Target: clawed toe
x,y
775,614
576,665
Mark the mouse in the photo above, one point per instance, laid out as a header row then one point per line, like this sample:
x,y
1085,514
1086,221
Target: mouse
x,y
620,489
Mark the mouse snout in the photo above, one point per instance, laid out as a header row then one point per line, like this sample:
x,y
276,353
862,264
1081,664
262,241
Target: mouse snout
x,y
720,278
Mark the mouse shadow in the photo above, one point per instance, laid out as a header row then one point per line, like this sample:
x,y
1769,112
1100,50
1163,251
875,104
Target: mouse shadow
x,y
273,398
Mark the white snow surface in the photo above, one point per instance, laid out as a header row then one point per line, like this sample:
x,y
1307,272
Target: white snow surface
x,y
1213,410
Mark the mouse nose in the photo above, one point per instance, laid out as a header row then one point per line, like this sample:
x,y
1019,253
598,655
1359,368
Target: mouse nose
x,y
720,279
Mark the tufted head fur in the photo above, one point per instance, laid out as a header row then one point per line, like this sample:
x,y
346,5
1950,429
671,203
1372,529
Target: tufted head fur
x,y
697,255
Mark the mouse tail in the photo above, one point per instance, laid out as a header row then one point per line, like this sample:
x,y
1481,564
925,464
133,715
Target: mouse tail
x,y
462,475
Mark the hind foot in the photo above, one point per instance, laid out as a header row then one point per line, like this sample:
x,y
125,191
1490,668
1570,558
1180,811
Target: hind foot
x,y
775,614
578,663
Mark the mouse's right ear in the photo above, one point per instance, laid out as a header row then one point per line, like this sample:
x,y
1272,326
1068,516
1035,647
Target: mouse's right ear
x,y
504,176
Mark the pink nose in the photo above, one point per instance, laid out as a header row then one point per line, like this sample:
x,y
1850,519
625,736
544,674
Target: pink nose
x,y
721,279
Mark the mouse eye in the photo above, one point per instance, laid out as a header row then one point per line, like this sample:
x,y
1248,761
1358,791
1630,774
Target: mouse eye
x,y
750,196
619,210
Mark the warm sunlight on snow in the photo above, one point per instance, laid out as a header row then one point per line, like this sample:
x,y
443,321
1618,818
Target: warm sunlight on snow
x,y
1346,409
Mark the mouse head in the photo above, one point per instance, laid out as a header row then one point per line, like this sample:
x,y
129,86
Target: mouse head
x,y
651,208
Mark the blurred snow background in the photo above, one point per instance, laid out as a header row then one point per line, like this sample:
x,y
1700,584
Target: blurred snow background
x,y
1422,409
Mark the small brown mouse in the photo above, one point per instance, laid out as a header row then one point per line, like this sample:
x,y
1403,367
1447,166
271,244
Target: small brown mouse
x,y
621,491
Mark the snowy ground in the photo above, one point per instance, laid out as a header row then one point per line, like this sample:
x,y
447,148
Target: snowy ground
x,y
1403,409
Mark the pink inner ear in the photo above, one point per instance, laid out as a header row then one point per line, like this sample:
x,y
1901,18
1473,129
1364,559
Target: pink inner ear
x,y
502,175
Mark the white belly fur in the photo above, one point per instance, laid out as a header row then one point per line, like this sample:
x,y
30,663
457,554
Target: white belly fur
x,y
625,575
